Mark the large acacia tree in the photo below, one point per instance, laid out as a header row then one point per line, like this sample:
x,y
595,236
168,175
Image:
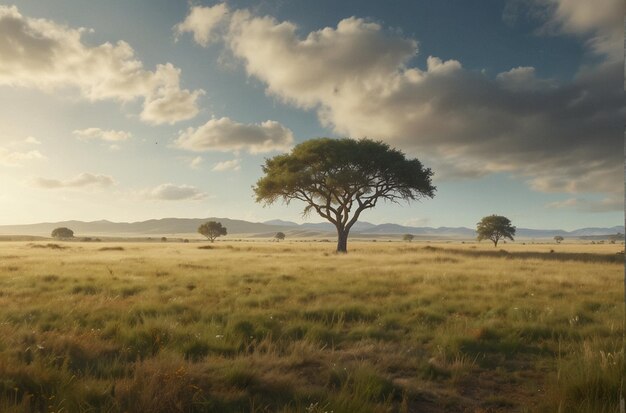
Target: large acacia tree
x,y
212,230
341,178
495,228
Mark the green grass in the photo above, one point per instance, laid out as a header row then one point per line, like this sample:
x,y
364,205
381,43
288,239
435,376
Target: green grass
x,y
293,327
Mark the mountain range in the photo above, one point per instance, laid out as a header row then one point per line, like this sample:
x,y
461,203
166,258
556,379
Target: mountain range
x,y
189,226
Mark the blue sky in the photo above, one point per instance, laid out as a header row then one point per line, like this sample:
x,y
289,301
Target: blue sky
x,y
147,109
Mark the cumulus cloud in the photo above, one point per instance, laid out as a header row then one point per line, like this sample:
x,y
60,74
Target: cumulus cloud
x,y
598,23
522,79
17,158
105,135
42,54
560,137
82,180
226,135
171,192
232,165
202,22
601,21
325,65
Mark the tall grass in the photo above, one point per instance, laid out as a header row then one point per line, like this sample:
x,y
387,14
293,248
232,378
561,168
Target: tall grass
x,y
292,327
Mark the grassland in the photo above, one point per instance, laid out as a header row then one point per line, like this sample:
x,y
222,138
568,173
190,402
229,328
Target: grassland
x,y
293,327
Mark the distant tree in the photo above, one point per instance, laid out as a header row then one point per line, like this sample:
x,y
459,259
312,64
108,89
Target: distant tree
x,y
558,239
408,237
495,227
212,230
279,236
335,177
62,233
163,239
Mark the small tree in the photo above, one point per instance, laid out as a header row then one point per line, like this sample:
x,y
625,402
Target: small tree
x,y
163,239
408,237
495,227
279,236
61,233
558,239
212,230
341,178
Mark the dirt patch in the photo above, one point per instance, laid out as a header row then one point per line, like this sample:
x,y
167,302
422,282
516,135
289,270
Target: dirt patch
x,y
49,245
193,266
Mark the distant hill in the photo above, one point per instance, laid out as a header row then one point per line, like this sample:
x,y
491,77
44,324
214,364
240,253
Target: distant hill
x,y
165,226
598,231
281,223
178,226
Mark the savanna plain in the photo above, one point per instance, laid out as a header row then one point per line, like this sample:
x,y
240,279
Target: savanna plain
x,y
293,327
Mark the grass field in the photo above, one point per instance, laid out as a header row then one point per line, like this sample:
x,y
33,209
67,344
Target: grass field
x,y
293,327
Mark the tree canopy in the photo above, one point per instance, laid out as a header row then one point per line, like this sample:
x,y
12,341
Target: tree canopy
x,y
62,232
408,237
341,178
280,236
495,228
212,230
558,239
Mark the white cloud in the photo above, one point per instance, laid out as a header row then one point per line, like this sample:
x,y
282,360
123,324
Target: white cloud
x,y
417,222
202,21
599,23
607,204
559,137
84,179
232,165
567,203
16,158
523,78
196,162
171,192
323,66
599,20
168,103
227,135
32,141
40,53
105,135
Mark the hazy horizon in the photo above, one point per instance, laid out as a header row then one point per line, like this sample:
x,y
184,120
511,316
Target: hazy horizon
x,y
311,220
516,106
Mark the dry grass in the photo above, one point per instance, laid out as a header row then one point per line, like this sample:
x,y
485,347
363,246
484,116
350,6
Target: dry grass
x,y
292,327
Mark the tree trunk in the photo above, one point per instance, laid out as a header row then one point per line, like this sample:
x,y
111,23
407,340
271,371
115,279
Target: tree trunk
x,y
342,240
495,243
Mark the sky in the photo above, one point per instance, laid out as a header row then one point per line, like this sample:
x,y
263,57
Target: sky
x,y
128,111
